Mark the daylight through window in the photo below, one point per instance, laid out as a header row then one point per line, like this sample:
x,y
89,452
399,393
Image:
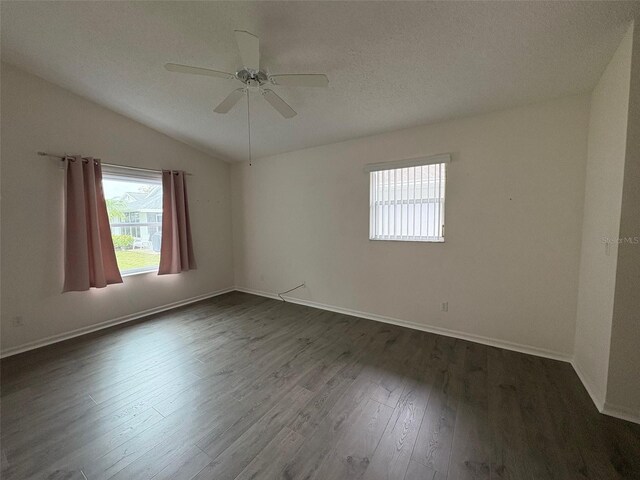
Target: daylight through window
x,y
134,205
408,203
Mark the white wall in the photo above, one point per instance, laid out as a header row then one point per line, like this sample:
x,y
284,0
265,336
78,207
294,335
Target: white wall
x,y
37,115
509,266
603,194
623,388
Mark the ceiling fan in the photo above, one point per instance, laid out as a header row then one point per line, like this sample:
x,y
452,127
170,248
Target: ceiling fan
x,y
254,77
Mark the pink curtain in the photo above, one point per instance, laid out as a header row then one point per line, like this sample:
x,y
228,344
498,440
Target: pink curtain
x,y
90,259
176,252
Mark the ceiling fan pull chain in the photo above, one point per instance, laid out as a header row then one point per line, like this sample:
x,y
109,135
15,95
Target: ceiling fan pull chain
x,y
249,125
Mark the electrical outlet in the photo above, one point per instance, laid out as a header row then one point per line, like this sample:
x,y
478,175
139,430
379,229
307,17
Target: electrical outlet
x,y
17,321
444,307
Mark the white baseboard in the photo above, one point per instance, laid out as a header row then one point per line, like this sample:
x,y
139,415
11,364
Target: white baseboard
x,y
597,397
493,342
109,323
623,413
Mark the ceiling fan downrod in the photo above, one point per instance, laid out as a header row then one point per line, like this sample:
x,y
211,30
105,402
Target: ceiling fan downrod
x,y
249,125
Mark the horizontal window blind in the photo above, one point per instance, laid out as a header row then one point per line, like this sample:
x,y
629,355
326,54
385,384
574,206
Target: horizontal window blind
x,y
408,203
131,174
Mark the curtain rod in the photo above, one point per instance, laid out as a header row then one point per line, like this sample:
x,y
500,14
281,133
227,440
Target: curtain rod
x,y
60,157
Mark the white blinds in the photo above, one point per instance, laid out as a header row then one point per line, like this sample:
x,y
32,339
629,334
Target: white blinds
x,y
408,203
131,174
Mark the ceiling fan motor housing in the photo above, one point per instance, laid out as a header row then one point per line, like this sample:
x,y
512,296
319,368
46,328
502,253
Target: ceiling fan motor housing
x,y
252,78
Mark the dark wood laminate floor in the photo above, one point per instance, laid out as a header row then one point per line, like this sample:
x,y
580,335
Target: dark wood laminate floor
x,y
245,387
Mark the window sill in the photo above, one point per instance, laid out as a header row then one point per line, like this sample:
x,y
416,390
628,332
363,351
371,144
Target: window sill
x,y
408,240
143,272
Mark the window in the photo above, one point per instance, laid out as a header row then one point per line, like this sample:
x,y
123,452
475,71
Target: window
x,y
134,205
407,200
131,217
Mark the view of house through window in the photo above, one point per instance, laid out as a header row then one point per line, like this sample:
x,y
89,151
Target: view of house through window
x,y
134,205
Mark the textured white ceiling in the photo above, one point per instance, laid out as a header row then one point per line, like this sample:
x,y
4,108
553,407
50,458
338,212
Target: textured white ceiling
x,y
391,64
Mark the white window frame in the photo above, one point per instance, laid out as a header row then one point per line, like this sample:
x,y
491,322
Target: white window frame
x,y
391,169
131,174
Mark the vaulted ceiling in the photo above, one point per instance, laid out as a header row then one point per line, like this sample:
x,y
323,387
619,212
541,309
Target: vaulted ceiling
x,y
391,64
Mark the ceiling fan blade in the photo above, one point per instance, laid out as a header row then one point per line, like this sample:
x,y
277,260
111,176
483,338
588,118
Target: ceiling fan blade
x,y
174,67
301,80
279,104
249,47
228,103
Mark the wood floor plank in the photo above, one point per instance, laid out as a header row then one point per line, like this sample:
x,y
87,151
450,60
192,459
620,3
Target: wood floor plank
x,y
50,449
166,456
94,449
471,453
320,404
351,455
417,471
185,465
239,454
505,419
600,453
271,460
240,386
319,443
213,414
256,407
435,438
393,454
545,460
